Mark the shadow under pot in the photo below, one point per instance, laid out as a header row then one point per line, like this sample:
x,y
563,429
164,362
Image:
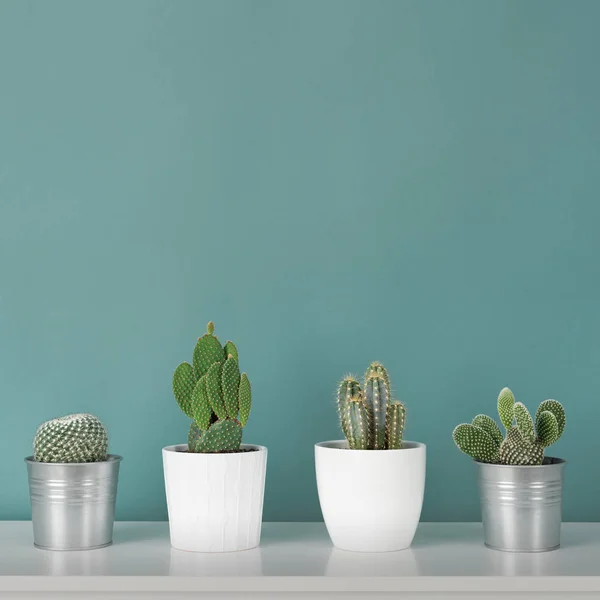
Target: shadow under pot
x,y
521,506
73,504
371,499
215,500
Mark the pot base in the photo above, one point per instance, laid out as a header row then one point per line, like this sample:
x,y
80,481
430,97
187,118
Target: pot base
x,y
51,549
511,551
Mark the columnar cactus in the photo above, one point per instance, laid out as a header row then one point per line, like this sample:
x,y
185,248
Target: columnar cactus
x,y
213,393
79,438
370,419
525,439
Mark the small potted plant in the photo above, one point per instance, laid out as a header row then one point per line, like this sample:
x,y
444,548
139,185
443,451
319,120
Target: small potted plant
x,y
72,484
214,483
520,489
371,484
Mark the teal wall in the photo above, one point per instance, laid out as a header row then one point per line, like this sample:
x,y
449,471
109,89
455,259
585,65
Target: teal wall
x,y
331,182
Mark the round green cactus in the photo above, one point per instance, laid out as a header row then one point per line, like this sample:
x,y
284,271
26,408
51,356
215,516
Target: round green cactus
x,y
77,438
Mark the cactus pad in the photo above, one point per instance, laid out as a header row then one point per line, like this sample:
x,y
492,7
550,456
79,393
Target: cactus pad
x,y
490,427
245,399
222,436
475,442
194,435
184,382
230,348
230,384
556,408
506,402
208,350
78,438
524,421
201,408
547,428
215,390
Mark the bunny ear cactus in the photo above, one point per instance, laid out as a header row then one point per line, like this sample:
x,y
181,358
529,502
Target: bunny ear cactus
x,y
525,438
213,393
370,419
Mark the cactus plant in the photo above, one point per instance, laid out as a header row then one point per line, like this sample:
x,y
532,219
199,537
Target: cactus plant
x,y
525,440
369,418
213,393
78,438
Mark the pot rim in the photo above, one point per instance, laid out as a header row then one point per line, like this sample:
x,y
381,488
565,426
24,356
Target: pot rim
x,y
343,445
174,449
556,462
109,458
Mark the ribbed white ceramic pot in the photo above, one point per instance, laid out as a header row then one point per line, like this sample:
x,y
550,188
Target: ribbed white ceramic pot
x,y
215,501
371,499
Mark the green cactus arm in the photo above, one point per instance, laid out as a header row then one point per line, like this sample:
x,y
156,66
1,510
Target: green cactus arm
x,y
201,408
208,350
547,428
396,414
214,390
194,435
184,382
475,442
516,450
506,402
230,348
230,382
245,399
524,421
356,424
222,436
348,388
377,397
490,427
376,368
556,408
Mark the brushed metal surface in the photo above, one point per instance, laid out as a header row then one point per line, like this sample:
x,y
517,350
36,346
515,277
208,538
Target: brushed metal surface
x,y
73,504
521,506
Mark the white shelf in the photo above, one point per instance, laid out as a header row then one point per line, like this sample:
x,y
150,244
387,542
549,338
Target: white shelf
x,y
297,560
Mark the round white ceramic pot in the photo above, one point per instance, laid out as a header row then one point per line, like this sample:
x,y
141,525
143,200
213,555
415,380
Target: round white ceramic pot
x,y
215,501
371,499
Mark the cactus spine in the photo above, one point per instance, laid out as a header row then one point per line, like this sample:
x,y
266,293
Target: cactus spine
x,y
78,438
525,438
370,419
213,393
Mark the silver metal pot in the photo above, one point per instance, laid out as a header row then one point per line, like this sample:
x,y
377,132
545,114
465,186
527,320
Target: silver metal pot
x,y
521,506
73,504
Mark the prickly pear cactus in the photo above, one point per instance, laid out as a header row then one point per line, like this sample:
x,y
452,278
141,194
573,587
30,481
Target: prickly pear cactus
x,y
213,393
78,438
370,419
525,439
